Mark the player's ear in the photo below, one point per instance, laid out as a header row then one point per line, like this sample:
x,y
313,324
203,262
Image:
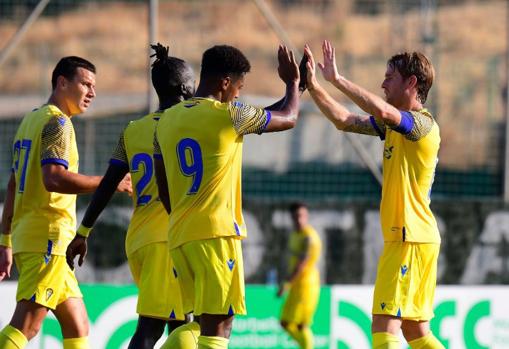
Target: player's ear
x,y
61,82
412,81
225,83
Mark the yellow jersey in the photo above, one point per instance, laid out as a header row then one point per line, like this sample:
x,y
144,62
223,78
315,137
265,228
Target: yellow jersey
x,y
149,222
409,163
305,242
43,221
200,142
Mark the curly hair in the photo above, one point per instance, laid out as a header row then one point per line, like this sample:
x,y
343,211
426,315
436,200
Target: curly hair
x,y
168,73
224,60
417,64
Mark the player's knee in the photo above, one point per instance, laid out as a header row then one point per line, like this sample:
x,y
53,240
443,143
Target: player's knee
x,y
414,329
152,328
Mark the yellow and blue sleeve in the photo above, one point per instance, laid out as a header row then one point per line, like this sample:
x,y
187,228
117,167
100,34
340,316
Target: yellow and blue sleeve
x,y
56,141
119,156
248,119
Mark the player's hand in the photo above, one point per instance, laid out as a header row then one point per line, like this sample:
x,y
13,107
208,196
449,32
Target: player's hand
x,y
303,72
288,69
312,82
329,68
5,262
125,185
77,247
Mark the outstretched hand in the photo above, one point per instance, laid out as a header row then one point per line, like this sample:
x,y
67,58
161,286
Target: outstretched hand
x,y
5,262
329,68
311,68
77,247
288,69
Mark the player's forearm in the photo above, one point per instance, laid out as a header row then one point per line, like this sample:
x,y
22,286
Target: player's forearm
x,y
334,111
298,270
72,183
291,101
8,210
367,101
277,105
103,194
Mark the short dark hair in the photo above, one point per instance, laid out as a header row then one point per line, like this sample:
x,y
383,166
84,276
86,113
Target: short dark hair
x,y
417,64
224,60
67,67
295,206
169,73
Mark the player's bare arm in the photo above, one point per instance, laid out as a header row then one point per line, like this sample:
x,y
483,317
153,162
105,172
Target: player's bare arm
x,y
5,239
285,117
367,101
57,178
338,114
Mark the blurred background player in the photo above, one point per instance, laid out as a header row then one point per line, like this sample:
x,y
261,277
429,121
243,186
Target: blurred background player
x,y
204,182
40,210
303,278
146,242
407,269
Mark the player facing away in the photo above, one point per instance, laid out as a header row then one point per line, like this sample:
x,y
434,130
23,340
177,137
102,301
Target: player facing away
x,y
40,210
406,277
198,159
159,300
303,278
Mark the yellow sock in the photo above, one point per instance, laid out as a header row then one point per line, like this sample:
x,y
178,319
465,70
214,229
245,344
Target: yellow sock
x,y
205,342
183,337
385,340
12,338
305,338
76,343
429,341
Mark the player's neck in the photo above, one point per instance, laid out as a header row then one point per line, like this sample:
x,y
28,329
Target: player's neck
x,y
57,102
206,91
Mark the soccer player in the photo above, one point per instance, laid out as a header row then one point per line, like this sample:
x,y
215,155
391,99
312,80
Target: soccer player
x,y
406,277
40,210
146,243
198,151
303,279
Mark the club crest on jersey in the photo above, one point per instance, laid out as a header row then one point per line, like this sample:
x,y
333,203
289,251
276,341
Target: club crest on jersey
x,y
49,293
404,269
388,152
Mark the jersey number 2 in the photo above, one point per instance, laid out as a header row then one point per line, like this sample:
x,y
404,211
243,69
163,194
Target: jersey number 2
x,y
146,160
193,167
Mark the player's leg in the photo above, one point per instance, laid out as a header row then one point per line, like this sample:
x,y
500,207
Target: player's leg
x,y
218,270
148,331
416,330
25,324
183,337
34,295
73,319
159,297
390,284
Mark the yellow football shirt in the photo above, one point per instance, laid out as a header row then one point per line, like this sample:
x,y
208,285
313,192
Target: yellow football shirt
x,y
200,142
305,242
408,171
43,221
149,222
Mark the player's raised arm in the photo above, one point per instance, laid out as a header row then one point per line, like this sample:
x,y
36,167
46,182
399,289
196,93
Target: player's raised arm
x,y
284,113
367,101
337,113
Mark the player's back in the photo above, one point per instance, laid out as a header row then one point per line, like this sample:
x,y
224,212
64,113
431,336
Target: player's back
x,y
43,221
202,154
149,222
